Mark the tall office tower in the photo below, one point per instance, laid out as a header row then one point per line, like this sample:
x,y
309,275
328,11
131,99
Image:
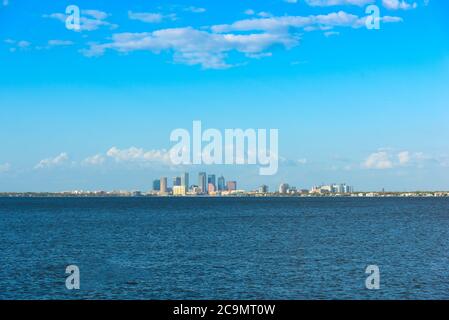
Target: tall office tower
x,y
211,179
157,185
221,184
263,189
163,189
185,181
176,181
202,182
232,185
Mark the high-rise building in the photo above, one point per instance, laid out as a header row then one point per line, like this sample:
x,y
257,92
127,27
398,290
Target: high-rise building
x,y
283,188
348,189
163,188
202,182
263,189
232,185
176,181
221,184
185,181
211,179
157,185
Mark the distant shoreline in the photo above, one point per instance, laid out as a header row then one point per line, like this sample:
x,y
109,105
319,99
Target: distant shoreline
x,y
417,194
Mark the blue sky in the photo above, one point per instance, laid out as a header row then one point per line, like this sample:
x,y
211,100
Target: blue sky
x,y
366,107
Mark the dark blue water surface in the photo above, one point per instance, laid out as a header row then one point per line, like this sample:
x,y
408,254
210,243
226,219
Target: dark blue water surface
x,y
224,248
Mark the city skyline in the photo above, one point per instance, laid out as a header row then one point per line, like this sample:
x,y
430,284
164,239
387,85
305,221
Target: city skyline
x,y
93,109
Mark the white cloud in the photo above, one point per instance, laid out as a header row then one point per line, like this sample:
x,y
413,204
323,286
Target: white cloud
x,y
90,19
378,160
210,48
191,46
134,154
195,9
55,43
95,160
328,3
18,45
23,44
388,159
96,14
404,157
328,34
312,22
51,162
150,17
263,14
292,163
399,5
5,167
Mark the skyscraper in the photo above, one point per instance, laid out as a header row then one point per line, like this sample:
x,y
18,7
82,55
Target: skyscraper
x,y
185,180
157,185
211,179
163,189
221,184
176,181
202,182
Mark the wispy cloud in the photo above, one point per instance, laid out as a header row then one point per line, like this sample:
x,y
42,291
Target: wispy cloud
x,y
150,17
328,34
191,46
399,5
89,20
389,159
52,162
328,3
134,154
95,160
5,167
312,22
195,9
209,48
17,44
59,43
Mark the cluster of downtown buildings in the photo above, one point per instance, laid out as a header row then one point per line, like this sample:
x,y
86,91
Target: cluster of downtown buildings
x,y
207,185
211,185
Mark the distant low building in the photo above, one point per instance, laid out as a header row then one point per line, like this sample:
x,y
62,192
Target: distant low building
x,y
283,188
179,191
332,189
231,185
210,188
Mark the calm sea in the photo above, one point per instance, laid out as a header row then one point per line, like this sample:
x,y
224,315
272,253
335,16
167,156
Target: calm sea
x,y
224,248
